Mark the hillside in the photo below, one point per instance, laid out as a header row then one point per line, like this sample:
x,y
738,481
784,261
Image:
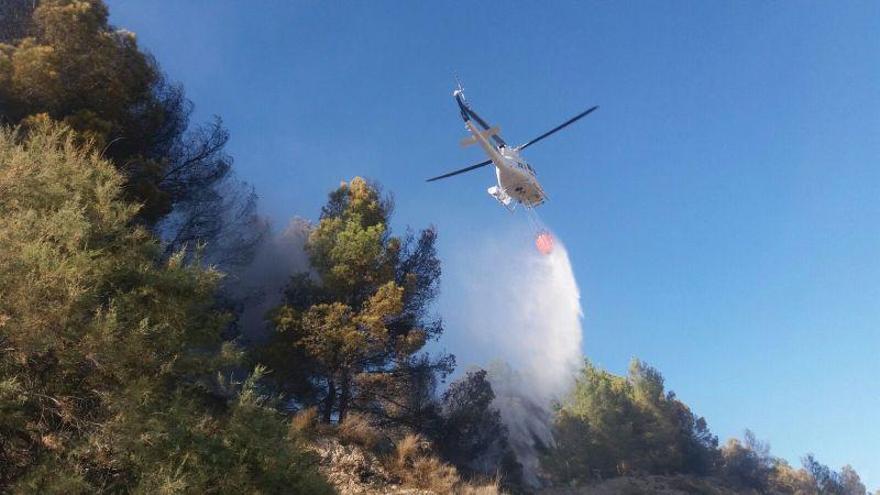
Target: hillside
x,y
146,348
353,470
650,485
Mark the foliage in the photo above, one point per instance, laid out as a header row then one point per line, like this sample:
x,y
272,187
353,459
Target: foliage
x,y
60,59
748,464
110,357
612,425
418,468
113,372
416,465
354,326
827,481
305,423
786,479
356,429
469,433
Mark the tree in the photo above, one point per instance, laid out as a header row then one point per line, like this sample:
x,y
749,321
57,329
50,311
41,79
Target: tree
x,y
360,318
788,480
851,482
109,354
470,434
611,425
62,60
669,422
747,464
827,481
595,429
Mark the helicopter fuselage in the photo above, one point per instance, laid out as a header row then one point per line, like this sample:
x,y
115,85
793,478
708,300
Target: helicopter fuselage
x,y
516,179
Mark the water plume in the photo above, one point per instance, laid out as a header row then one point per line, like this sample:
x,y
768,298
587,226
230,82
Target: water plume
x,y
524,314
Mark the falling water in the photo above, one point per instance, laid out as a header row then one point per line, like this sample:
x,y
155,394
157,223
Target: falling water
x,y
524,312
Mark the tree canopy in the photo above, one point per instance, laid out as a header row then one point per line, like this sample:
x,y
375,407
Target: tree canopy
x,y
360,316
612,426
111,355
62,60
118,370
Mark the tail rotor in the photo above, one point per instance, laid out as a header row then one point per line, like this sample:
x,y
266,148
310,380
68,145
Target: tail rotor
x,y
459,89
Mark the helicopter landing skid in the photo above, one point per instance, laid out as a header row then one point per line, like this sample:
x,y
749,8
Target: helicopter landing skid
x,y
502,197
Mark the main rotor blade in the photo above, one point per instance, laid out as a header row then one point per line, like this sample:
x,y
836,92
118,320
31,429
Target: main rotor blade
x,y
461,171
557,128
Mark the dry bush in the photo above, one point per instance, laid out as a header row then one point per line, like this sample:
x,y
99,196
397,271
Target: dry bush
x,y
418,468
471,489
408,448
430,473
356,429
305,423
491,486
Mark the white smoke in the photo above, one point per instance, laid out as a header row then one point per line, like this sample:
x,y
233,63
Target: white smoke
x,y
524,311
260,285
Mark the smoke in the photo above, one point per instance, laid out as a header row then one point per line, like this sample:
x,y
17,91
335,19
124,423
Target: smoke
x,y
524,312
519,310
260,285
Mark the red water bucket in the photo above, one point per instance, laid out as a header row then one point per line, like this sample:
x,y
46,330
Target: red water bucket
x,y
544,242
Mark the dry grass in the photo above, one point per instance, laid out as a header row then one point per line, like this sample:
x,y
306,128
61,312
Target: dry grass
x,y
429,473
409,463
485,486
305,423
356,429
417,467
489,489
408,448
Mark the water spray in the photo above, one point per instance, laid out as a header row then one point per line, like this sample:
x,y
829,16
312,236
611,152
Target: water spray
x,y
524,315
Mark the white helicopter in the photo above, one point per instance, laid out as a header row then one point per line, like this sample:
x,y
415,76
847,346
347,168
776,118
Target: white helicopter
x,y
516,180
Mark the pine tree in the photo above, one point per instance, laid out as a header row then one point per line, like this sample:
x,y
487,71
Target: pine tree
x,y
110,356
62,59
360,316
612,425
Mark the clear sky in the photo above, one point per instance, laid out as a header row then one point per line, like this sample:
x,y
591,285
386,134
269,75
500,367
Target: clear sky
x,y
721,208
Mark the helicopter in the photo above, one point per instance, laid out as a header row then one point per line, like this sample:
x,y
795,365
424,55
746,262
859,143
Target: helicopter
x,y
516,181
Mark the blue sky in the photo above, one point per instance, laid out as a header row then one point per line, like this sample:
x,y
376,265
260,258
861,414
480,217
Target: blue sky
x,y
721,208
